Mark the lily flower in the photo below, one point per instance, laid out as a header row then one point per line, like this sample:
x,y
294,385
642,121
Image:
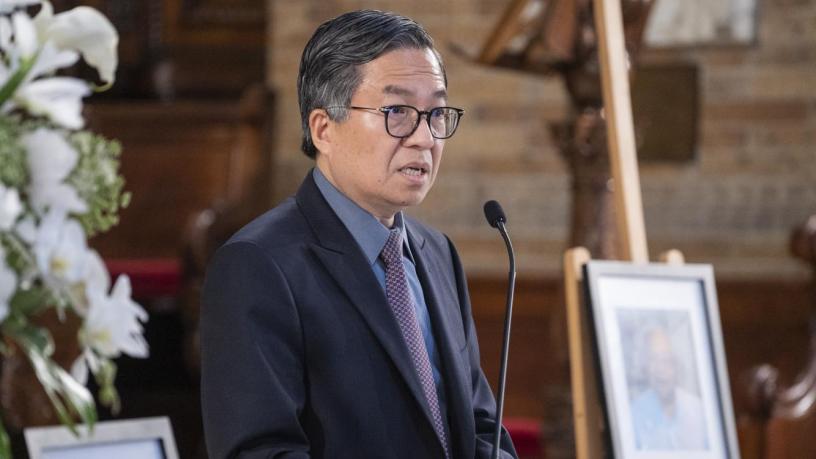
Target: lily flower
x,y
50,160
10,207
45,44
25,34
8,285
85,30
7,6
49,60
59,247
113,323
57,98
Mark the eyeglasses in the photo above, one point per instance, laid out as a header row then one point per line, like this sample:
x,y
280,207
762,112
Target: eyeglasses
x,y
402,120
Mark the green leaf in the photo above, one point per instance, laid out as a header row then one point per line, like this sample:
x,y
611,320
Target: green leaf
x,y
5,443
105,377
14,82
14,172
29,336
31,301
67,396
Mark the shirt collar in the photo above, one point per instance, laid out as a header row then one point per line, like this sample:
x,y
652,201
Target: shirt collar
x,y
369,233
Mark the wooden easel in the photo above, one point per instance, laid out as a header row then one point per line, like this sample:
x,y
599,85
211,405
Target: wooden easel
x,y
587,415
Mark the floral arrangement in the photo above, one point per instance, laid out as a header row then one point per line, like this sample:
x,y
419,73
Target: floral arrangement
x,y
59,185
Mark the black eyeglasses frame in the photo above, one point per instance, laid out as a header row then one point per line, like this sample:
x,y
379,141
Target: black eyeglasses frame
x,y
386,110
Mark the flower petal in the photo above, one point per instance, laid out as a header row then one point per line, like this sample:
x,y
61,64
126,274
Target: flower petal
x,y
50,157
79,370
43,20
49,60
10,207
5,33
50,160
7,6
96,276
27,230
25,35
58,98
88,31
57,196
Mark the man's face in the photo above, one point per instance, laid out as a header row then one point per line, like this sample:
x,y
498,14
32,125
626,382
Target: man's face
x,y
384,174
662,366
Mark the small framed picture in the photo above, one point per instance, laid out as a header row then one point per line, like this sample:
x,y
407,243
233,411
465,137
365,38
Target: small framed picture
x,y
144,438
661,359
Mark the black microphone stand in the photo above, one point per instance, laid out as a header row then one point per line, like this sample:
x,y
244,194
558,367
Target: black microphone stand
x,y
506,341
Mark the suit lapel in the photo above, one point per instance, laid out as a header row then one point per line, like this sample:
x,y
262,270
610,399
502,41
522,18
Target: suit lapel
x,y
341,256
446,320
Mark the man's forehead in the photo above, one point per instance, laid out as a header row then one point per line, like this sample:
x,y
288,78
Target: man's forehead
x,y
398,90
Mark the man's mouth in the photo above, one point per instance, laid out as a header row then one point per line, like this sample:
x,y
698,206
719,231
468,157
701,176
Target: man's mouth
x,y
414,171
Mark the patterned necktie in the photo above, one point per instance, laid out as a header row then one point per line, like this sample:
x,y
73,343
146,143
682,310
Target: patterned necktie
x,y
399,298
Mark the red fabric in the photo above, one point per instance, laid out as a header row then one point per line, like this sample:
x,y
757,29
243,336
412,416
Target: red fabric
x,y
149,277
526,435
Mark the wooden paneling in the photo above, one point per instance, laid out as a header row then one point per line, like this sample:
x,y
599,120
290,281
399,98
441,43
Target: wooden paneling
x,y
183,48
175,161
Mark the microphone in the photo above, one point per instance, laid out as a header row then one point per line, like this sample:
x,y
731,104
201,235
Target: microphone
x,y
496,218
494,214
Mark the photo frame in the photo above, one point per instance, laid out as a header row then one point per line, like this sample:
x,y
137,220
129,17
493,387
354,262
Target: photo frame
x,y
661,361
144,438
687,23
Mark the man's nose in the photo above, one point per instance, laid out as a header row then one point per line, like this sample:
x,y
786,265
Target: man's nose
x,y
421,136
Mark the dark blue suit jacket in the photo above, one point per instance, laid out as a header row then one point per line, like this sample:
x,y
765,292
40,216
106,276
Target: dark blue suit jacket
x,y
302,357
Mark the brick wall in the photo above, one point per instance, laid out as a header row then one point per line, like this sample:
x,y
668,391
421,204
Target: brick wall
x,y
753,179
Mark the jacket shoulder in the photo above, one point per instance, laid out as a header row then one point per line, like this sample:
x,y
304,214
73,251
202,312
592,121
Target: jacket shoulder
x,y
283,225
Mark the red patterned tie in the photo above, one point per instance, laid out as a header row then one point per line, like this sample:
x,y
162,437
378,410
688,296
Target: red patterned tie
x,y
396,290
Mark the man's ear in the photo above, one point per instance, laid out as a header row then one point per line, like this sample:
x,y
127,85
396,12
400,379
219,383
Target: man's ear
x,y
320,127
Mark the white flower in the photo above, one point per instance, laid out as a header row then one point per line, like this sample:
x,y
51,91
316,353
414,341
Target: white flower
x,y
96,275
5,34
58,98
25,35
8,284
54,42
85,30
10,207
50,160
49,60
7,6
113,323
60,248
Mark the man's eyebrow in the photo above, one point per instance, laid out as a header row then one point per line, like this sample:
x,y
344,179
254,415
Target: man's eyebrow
x,y
400,91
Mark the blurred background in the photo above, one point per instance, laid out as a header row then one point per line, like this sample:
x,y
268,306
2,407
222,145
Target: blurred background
x,y
724,95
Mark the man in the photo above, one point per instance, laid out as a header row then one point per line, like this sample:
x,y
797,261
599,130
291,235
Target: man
x,y
666,416
333,326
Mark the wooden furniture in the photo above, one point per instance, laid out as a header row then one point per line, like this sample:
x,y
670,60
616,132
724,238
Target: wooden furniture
x,y
179,158
780,414
182,49
631,241
246,196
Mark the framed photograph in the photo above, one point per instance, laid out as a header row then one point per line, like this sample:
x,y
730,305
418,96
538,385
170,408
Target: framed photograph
x,y
145,438
661,361
682,23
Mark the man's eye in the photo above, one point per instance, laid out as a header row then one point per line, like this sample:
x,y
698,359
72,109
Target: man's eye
x,y
397,110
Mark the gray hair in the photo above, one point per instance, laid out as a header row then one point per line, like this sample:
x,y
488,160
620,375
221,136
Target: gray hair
x,y
329,67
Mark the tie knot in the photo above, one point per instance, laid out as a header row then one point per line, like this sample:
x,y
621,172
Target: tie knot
x,y
392,251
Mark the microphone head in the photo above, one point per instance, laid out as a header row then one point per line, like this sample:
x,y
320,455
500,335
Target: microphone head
x,y
494,213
